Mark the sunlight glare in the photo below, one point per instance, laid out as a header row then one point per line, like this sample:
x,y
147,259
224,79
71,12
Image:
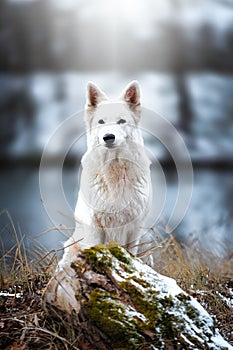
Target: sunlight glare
x,y
121,9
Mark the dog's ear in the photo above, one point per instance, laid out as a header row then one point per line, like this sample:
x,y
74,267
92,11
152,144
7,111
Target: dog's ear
x,y
131,95
94,95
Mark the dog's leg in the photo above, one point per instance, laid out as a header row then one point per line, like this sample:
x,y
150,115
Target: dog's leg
x,y
70,251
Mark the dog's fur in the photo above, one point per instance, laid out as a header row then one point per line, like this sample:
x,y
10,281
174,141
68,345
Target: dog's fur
x,y
115,191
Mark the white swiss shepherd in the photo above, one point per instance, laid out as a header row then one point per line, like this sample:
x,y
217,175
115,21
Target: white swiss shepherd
x,y
115,192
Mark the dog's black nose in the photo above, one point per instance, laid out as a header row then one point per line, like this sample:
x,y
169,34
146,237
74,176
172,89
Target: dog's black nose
x,y
109,139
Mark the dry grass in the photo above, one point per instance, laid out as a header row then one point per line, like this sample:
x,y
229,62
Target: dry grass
x,y
25,325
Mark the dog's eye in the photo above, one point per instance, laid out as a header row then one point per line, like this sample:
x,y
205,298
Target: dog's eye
x,y
121,121
101,121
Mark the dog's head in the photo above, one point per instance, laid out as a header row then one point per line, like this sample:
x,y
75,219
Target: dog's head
x,y
110,124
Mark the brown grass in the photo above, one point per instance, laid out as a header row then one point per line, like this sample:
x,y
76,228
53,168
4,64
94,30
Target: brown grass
x,y
25,325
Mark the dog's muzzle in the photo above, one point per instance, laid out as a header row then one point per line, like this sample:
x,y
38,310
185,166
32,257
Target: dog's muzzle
x,y
109,139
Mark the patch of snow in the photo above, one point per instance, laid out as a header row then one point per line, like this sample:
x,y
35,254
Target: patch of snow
x,y
11,295
130,312
228,301
218,340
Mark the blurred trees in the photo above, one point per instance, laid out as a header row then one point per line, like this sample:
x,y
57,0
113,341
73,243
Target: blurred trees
x,y
17,112
39,35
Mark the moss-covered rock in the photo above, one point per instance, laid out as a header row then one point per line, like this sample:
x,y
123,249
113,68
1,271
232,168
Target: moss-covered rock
x,y
133,307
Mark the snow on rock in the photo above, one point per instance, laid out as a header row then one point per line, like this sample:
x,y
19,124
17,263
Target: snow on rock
x,y
131,305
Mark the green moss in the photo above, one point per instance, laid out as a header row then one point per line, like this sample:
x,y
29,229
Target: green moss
x,y
109,258
121,254
162,315
114,318
170,326
167,302
183,297
145,301
159,311
142,282
99,257
190,311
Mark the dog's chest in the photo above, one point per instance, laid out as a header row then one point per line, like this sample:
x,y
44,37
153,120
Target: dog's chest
x,y
117,179
116,173
116,187
119,194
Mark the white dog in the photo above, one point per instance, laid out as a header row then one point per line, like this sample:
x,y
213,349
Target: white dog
x,y
115,191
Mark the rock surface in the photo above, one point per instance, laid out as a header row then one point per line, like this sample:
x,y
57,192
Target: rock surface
x,y
122,303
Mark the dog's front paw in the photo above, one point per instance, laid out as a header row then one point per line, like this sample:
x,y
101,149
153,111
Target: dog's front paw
x,y
61,290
